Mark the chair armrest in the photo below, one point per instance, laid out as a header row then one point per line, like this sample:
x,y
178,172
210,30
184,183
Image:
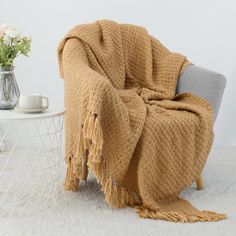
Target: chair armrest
x,y
204,83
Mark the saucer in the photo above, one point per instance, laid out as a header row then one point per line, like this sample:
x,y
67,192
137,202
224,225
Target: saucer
x,y
19,109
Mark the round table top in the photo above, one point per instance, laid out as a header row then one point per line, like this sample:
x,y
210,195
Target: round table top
x,y
6,115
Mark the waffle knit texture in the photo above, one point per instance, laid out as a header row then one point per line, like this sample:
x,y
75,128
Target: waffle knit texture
x,y
124,121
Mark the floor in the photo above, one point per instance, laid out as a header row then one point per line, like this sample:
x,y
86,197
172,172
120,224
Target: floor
x,y
86,213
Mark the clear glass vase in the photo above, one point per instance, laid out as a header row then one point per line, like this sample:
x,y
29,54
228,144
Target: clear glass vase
x,y
9,91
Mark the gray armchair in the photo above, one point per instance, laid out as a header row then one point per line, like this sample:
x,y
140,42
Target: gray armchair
x,y
206,84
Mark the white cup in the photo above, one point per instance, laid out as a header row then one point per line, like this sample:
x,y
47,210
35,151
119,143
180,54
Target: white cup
x,y
32,101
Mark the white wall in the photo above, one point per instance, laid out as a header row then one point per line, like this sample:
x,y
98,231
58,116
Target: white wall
x,y
204,30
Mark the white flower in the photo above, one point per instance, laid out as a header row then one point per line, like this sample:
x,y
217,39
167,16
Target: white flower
x,y
7,40
12,32
3,28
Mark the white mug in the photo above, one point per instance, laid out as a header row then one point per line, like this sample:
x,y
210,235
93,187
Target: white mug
x,y
32,101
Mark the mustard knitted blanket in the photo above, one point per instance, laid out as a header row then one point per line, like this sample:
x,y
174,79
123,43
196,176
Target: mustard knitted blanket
x,y
124,121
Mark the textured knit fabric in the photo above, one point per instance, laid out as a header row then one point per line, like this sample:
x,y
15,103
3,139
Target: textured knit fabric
x,y
123,120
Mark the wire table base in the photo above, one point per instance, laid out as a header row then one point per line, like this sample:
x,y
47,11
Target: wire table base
x,y
30,158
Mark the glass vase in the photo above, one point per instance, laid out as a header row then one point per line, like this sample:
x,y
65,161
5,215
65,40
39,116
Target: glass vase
x,y
9,91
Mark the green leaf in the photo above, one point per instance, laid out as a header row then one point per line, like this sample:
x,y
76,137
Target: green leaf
x,y
9,52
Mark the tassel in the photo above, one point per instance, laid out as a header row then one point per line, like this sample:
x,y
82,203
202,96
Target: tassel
x,y
80,161
71,182
80,150
87,144
88,126
115,195
90,143
86,122
97,141
84,168
176,216
89,147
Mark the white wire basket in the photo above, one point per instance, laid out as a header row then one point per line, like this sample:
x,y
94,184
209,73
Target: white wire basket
x,y
30,159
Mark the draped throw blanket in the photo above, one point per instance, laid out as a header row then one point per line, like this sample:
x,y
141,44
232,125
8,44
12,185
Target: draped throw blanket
x,y
124,121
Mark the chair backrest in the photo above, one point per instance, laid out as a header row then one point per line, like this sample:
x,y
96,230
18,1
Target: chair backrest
x,y
204,83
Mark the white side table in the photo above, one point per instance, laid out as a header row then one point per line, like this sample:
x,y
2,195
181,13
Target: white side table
x,y
30,157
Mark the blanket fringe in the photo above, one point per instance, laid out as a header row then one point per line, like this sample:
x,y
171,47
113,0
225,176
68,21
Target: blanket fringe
x,y
93,136
80,167
71,182
89,145
176,216
116,196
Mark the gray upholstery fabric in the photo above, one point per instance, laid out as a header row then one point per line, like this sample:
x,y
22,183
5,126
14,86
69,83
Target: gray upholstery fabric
x,y
203,83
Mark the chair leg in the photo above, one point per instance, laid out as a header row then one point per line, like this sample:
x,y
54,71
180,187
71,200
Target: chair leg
x,y
199,183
